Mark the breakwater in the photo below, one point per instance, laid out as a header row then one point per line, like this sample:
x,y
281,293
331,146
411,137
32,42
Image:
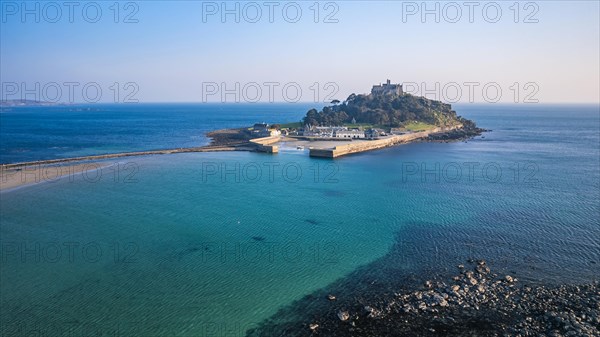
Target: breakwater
x,y
265,144
259,144
120,155
362,146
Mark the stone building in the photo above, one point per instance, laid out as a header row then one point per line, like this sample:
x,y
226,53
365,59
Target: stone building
x,y
387,89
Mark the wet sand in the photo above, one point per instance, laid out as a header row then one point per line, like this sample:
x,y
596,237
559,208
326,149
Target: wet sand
x,y
15,177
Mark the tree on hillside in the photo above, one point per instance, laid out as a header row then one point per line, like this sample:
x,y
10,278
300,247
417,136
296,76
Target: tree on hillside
x,y
385,110
312,117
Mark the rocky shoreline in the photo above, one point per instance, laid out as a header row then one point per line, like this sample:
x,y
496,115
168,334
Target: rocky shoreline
x,y
229,137
464,133
474,302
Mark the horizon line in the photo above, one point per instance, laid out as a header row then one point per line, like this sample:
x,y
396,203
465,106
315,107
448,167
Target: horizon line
x,y
44,103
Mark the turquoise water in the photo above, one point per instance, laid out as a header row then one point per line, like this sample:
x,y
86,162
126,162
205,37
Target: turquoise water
x,y
202,245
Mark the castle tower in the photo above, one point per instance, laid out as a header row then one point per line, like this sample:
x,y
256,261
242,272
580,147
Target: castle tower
x,y
387,89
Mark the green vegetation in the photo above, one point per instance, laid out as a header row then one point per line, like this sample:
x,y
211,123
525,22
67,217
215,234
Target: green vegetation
x,y
294,125
418,126
418,113
359,125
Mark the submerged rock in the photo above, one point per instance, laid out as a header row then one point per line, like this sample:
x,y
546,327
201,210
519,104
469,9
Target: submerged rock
x,y
343,315
439,300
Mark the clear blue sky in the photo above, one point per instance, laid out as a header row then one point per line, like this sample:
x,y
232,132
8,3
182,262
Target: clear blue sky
x,y
173,55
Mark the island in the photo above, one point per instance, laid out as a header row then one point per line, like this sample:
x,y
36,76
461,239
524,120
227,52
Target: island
x,y
386,116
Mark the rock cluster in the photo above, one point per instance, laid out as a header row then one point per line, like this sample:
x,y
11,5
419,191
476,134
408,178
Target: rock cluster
x,y
473,303
464,133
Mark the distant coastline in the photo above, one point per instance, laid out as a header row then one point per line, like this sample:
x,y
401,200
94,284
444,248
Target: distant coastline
x,y
8,103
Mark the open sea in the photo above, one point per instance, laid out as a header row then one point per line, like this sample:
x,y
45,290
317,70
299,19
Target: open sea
x,y
214,244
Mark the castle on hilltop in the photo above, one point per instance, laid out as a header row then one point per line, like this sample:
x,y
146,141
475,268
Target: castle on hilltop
x,y
387,89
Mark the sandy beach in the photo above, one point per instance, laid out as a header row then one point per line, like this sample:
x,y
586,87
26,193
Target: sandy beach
x,y
11,178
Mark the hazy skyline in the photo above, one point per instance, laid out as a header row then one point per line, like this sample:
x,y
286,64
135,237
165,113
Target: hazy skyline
x,y
183,51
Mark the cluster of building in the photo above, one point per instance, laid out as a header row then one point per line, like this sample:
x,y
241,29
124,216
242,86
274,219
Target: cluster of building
x,y
388,88
342,132
260,130
384,89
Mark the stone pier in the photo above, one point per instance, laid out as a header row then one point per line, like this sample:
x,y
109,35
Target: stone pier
x,y
362,146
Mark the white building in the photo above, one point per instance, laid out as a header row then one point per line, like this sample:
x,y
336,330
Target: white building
x,y
374,133
351,134
323,131
264,130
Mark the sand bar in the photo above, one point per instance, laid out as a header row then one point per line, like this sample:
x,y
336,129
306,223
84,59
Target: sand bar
x,y
12,178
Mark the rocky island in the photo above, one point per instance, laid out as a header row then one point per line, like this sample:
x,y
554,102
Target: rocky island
x,y
387,107
385,117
